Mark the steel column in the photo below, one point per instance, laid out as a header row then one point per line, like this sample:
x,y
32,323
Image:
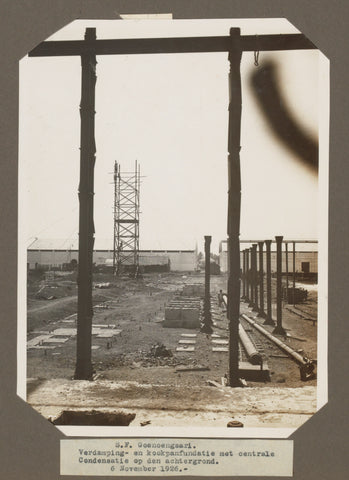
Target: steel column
x,y
279,329
261,280
255,278
247,252
243,274
269,319
246,274
84,369
207,328
251,279
286,259
234,203
294,272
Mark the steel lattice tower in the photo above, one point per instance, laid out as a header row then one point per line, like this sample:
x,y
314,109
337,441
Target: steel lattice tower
x,y
126,219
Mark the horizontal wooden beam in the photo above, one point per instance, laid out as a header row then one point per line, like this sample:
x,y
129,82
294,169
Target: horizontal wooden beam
x,y
136,46
290,41
284,241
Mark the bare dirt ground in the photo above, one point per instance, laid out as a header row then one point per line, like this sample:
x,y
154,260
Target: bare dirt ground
x,y
136,309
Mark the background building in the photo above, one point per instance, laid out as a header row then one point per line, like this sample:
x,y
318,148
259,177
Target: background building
x,y
306,258
58,254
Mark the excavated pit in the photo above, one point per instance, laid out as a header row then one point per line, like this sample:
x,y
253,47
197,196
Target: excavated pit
x,y
93,417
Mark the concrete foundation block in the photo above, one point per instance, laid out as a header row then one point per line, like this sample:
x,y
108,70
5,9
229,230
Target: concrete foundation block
x,y
190,314
173,314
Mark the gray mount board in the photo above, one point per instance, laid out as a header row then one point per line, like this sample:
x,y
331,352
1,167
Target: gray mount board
x,y
22,27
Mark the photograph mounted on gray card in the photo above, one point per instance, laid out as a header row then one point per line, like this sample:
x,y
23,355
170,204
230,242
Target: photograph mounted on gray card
x,y
173,199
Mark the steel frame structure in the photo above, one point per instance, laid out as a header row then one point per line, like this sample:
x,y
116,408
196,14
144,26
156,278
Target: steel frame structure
x,y
234,44
126,218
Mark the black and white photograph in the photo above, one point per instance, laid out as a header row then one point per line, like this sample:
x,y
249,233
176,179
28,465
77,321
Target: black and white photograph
x,y
173,223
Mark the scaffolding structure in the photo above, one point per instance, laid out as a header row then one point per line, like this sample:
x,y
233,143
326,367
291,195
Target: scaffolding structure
x,y
126,219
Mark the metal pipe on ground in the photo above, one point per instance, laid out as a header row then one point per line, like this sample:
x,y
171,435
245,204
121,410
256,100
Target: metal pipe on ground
x,y
253,356
307,366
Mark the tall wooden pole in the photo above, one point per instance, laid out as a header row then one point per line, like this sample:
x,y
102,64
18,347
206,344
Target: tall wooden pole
x,y
234,202
207,327
251,279
286,258
261,280
255,277
294,272
84,370
243,274
279,328
269,319
247,251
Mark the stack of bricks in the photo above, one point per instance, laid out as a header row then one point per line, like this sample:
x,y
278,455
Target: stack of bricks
x,y
194,290
183,312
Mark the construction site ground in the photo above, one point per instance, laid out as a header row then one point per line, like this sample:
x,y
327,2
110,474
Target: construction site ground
x,y
138,368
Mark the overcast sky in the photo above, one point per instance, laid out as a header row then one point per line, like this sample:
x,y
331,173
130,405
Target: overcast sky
x,y
170,112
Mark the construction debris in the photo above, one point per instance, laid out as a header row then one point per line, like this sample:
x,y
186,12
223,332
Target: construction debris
x,y
159,350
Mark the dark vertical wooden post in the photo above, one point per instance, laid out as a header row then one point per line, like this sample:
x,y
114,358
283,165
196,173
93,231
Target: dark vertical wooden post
x,y
286,260
279,329
234,202
255,278
84,370
269,319
243,274
207,328
247,250
246,273
294,272
251,279
261,280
